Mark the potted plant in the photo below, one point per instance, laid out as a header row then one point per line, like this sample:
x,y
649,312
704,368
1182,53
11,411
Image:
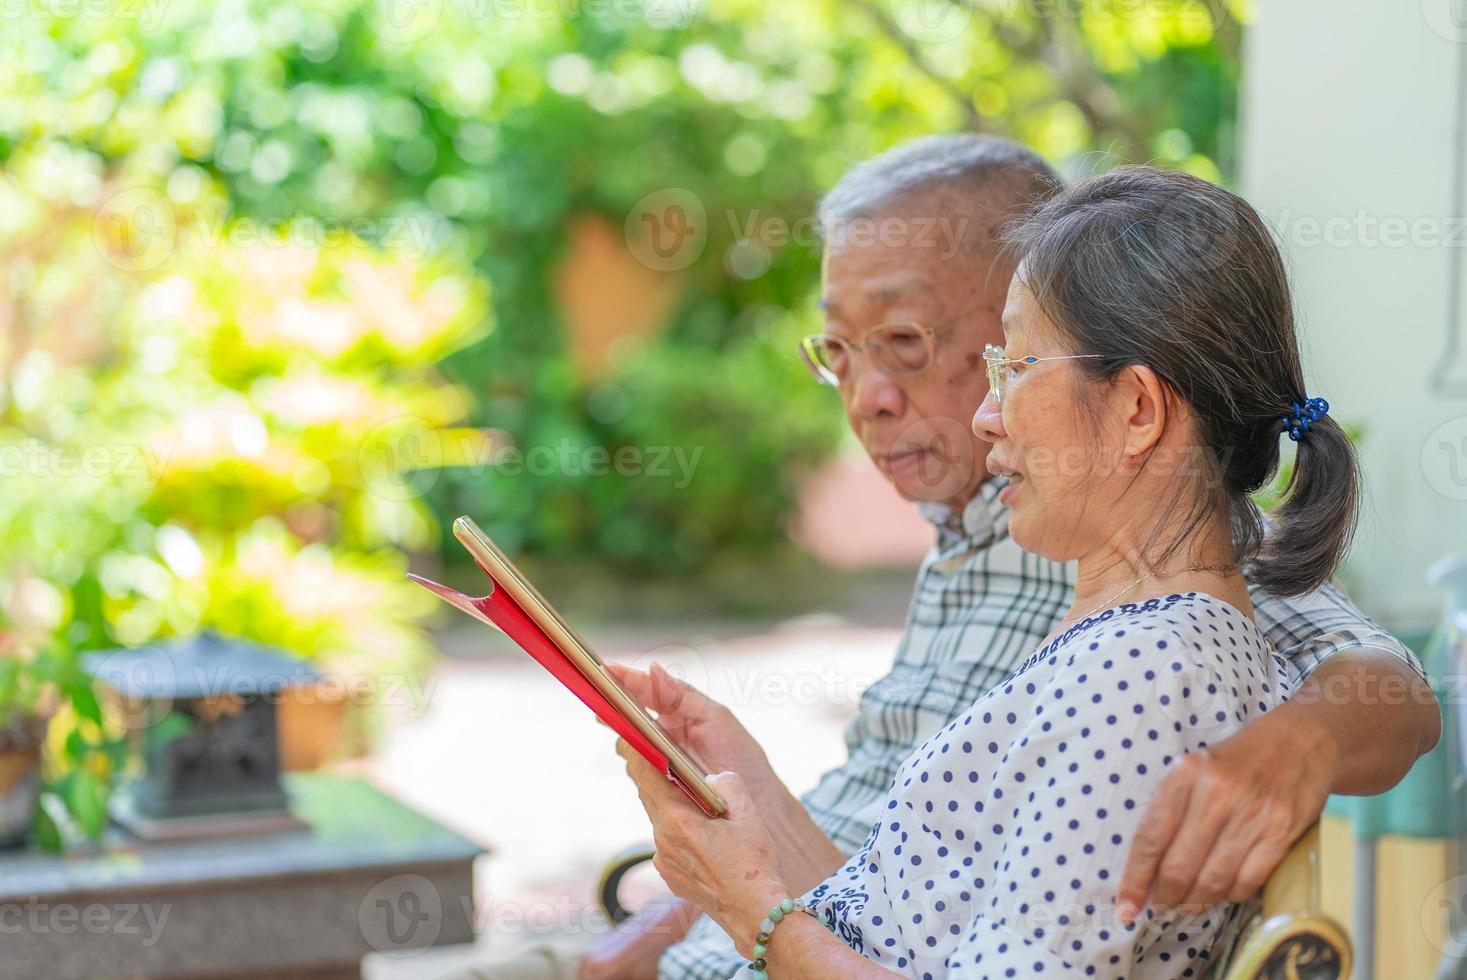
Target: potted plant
x,y
24,696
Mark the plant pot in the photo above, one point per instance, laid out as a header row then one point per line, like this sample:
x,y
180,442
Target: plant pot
x,y
310,721
20,776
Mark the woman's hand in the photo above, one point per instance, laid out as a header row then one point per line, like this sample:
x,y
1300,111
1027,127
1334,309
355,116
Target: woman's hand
x,y
726,866
705,728
721,743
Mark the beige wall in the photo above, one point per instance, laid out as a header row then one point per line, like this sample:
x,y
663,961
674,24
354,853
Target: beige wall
x,y
1348,141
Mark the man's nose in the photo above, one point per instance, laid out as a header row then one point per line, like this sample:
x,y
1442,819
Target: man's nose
x,y
871,393
988,420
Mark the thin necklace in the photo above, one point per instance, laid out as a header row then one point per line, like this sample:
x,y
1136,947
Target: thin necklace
x,y
1195,568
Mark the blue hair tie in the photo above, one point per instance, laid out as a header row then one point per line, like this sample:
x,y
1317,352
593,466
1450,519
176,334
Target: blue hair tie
x,y
1305,412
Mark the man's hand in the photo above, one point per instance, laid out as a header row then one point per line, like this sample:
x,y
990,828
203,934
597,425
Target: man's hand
x,y
632,950
1225,817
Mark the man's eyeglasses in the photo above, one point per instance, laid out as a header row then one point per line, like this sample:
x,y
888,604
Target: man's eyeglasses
x,y
1001,368
897,348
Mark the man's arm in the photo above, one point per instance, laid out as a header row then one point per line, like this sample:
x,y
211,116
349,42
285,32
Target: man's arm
x,y
632,950
1362,690
1376,715
1359,717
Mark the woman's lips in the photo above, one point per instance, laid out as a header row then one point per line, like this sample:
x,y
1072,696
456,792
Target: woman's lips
x,y
1015,479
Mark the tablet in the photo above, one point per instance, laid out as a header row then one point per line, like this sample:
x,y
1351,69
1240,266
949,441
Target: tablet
x,y
517,607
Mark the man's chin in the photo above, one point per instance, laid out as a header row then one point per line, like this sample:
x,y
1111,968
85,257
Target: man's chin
x,y
926,477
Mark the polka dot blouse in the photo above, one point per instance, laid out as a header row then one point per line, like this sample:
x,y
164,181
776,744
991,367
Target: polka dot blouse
x,y
1005,835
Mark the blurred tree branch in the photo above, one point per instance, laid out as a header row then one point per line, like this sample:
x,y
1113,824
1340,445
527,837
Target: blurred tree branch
x,y
903,40
1057,42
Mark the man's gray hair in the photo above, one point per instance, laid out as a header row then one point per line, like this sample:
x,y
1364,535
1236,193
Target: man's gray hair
x,y
966,173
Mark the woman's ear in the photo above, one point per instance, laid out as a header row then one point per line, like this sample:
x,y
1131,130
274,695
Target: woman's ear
x,y
1145,399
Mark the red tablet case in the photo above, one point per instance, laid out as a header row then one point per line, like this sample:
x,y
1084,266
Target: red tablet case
x,y
499,609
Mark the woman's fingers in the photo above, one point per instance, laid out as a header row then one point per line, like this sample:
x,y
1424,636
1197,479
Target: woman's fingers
x,y
634,682
661,692
735,795
656,791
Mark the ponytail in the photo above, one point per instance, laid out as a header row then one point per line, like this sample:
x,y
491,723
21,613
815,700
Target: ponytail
x,y
1312,528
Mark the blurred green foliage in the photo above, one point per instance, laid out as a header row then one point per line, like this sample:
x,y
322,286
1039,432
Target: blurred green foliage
x,y
488,125
248,249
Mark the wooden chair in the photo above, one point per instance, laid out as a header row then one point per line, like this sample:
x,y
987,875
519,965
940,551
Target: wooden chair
x,y
1287,935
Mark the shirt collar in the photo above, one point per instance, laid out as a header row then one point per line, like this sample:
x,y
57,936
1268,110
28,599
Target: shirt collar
x,y
980,521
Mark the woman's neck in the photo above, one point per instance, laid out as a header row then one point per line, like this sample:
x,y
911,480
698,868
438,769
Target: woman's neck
x,y
1118,571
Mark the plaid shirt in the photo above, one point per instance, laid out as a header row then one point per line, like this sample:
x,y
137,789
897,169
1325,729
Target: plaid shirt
x,y
981,605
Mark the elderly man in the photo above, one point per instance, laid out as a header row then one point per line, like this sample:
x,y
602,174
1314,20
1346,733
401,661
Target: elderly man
x,y
914,282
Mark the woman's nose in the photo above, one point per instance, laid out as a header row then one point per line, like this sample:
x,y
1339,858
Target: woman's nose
x,y
988,420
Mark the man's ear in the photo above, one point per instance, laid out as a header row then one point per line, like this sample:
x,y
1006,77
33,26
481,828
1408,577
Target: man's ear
x,y
1146,400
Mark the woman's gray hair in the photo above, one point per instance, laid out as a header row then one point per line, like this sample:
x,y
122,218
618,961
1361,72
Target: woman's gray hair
x,y
966,172
1144,266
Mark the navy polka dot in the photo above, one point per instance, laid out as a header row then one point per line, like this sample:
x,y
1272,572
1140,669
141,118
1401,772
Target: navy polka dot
x,y
1038,899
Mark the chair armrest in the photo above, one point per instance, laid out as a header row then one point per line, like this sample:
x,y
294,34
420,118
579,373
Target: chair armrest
x,y
611,876
1292,937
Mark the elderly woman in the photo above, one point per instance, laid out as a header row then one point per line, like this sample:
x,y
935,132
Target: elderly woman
x,y
1149,369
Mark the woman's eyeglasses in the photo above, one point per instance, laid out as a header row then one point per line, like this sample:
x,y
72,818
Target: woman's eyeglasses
x,y
897,348
1001,368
